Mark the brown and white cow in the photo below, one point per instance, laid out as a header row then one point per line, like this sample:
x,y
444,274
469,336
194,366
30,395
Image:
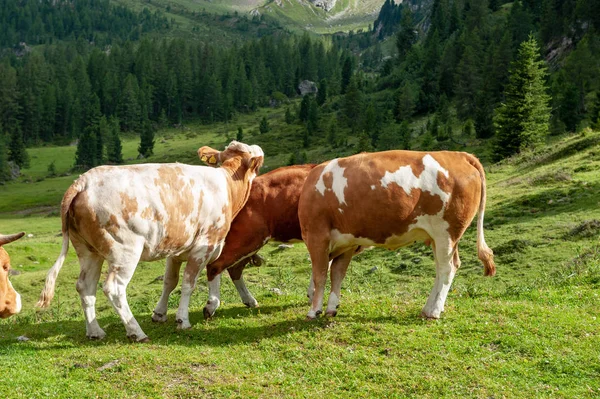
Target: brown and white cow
x,y
124,214
391,199
10,300
271,213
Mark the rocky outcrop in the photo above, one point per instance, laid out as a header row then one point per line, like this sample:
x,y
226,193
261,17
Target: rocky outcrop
x,y
307,87
324,4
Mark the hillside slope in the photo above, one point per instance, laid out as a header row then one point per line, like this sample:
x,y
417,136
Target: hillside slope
x,y
531,331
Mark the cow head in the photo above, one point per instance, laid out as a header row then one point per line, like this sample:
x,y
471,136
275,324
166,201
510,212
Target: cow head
x,y
10,300
251,156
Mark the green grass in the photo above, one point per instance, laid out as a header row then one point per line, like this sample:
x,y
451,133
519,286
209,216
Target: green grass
x,y
531,331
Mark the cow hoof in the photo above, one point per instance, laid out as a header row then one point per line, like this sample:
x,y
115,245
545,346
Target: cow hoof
x,y
252,304
96,337
159,318
207,313
428,316
134,338
183,325
331,313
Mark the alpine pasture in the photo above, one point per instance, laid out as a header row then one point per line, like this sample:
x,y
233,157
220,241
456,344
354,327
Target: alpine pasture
x,y
531,331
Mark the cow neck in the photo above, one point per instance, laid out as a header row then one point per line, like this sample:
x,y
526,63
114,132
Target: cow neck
x,y
239,186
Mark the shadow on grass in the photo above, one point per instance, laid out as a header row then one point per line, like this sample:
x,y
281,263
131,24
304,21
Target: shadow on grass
x,y
231,326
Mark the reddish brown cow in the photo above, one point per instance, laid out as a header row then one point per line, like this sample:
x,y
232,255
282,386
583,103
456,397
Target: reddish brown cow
x,y
391,199
271,213
10,300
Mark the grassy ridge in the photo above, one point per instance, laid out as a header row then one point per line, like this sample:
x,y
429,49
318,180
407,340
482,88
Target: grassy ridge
x,y
532,331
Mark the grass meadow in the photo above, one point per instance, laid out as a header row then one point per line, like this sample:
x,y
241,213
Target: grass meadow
x,y
531,331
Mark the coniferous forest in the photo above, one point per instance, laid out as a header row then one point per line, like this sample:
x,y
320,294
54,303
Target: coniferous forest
x,y
80,70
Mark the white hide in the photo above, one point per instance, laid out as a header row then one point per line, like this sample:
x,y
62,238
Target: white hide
x,y
107,186
338,181
427,181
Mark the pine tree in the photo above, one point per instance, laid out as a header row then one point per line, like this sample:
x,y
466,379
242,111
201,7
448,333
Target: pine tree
x,y
523,120
85,156
240,134
353,105
114,150
16,150
304,108
313,117
346,73
264,125
406,36
289,118
146,147
4,170
322,93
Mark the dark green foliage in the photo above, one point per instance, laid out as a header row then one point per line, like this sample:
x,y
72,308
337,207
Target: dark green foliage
x,y
322,93
4,169
406,36
523,120
332,134
304,108
364,143
240,134
313,116
289,117
264,125
146,147
85,156
353,105
114,148
52,169
388,19
16,150
347,72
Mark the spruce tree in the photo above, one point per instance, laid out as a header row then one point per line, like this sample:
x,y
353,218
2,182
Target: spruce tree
x,y
4,170
114,150
16,150
146,147
353,105
523,120
264,125
322,93
304,108
240,134
85,156
289,118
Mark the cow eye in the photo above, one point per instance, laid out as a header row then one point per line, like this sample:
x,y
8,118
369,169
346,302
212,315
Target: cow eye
x,y
6,266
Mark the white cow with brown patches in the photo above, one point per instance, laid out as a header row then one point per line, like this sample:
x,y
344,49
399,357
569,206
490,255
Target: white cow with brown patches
x,y
391,199
124,214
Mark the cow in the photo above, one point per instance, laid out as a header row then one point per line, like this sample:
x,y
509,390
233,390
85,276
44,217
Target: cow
x,y
271,213
391,199
10,300
124,214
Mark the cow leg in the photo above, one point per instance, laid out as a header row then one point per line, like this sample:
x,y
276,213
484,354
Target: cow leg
x,y
120,271
319,257
339,266
238,280
169,283
310,291
87,284
193,268
445,271
214,297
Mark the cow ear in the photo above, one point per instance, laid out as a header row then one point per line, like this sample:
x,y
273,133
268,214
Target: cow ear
x,y
209,155
255,163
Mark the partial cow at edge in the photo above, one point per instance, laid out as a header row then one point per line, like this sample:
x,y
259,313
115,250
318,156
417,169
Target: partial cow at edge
x,y
10,300
127,214
392,199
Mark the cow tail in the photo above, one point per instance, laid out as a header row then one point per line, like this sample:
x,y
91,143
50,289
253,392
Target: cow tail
x,y
484,253
48,291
